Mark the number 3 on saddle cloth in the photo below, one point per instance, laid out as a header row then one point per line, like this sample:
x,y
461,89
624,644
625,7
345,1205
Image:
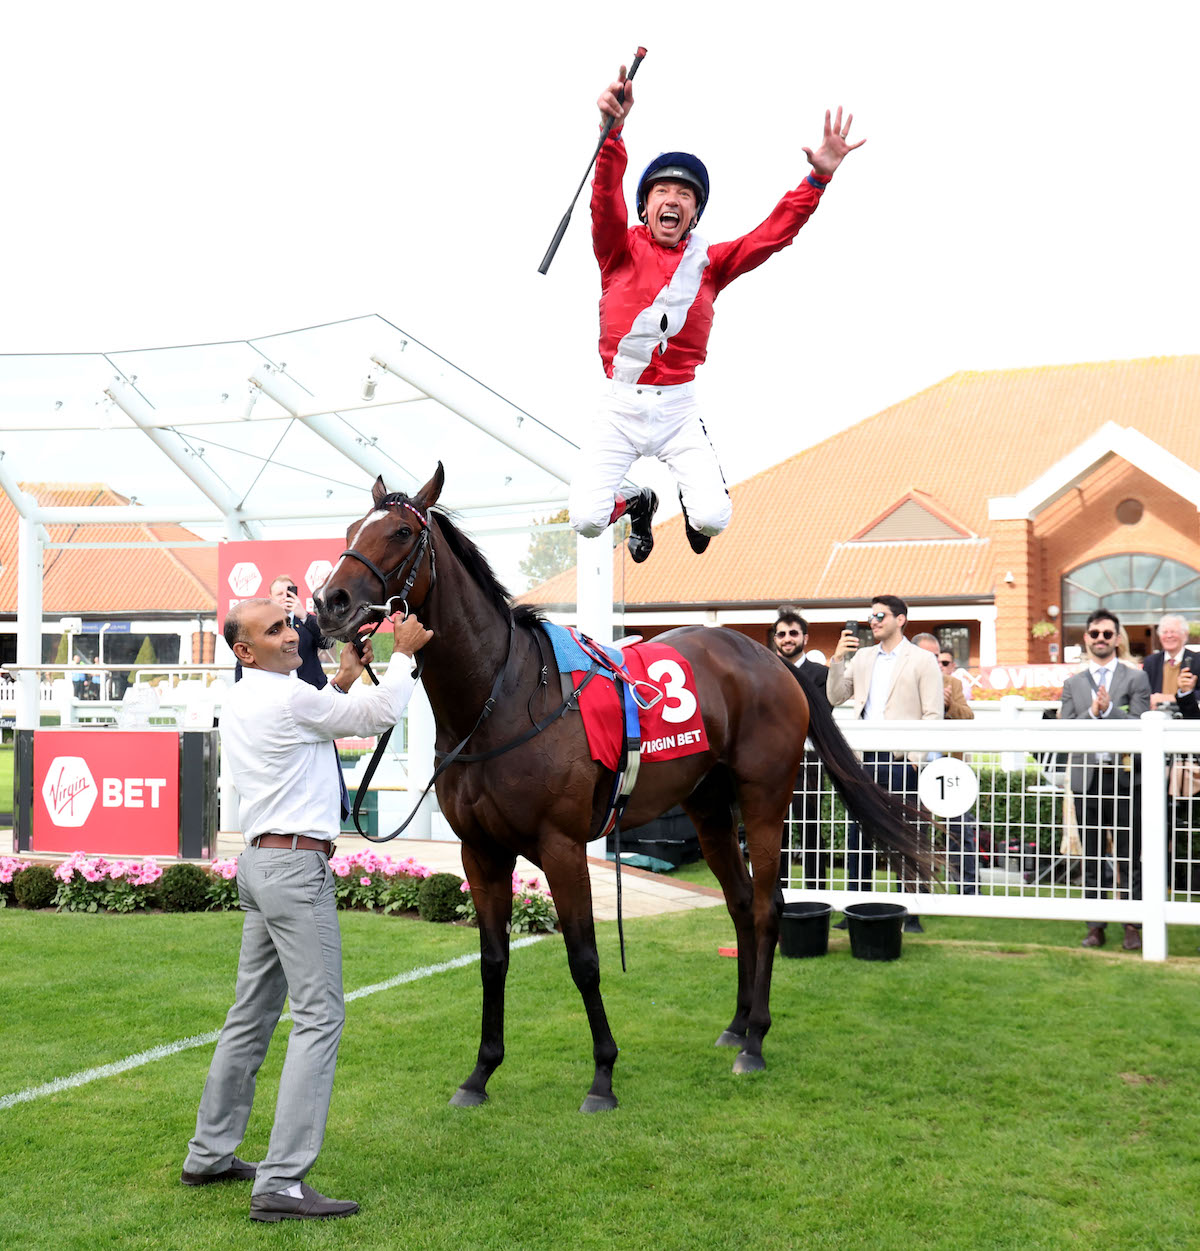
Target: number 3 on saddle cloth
x,y
646,710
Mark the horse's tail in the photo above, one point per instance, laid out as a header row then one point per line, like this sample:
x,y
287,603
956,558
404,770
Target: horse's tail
x,y
887,822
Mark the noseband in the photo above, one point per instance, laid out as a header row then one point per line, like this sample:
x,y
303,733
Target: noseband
x,y
410,566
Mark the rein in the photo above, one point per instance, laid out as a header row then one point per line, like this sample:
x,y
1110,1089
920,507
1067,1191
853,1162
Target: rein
x,y
410,567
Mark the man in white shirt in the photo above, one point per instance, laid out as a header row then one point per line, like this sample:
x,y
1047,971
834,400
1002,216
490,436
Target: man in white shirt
x,y
892,681
1106,791
277,733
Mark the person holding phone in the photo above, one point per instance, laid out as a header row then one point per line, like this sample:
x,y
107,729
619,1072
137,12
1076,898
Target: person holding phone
x,y
892,680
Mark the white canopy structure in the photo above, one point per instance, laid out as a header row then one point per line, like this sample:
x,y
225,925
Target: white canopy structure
x,y
246,436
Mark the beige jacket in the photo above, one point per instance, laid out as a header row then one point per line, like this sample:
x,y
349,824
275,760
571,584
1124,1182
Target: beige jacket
x,y
916,690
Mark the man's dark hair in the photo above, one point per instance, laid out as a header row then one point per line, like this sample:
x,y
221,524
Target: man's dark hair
x,y
893,603
1103,614
792,617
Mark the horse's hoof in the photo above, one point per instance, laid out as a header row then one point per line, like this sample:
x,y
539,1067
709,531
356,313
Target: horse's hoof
x,y
747,1063
730,1039
598,1103
464,1098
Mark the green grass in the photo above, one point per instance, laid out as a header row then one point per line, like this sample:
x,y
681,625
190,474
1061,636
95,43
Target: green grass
x,y
6,779
991,1089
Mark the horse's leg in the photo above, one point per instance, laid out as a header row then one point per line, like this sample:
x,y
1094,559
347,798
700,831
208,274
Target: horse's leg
x,y
712,814
490,876
565,863
764,809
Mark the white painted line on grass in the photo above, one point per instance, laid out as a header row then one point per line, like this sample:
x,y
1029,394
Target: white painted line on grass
x,y
164,1050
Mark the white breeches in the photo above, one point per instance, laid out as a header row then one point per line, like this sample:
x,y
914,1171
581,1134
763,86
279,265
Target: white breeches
x,y
664,422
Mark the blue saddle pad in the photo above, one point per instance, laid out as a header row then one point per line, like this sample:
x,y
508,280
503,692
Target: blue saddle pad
x,y
570,657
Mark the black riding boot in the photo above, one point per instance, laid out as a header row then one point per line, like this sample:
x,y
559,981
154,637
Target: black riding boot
x,y
640,509
696,541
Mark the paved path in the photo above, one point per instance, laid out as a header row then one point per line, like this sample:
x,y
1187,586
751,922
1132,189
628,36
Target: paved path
x,y
643,894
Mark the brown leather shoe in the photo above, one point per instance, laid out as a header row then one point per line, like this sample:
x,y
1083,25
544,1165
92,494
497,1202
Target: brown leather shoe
x,y
238,1170
1133,938
311,1206
1095,937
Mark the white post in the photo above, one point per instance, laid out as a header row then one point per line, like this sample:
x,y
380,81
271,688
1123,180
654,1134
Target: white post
x,y
594,606
422,730
1154,836
29,623
594,586
987,635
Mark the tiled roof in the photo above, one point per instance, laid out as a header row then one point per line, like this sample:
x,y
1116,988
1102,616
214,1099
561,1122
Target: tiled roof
x,y
100,580
969,437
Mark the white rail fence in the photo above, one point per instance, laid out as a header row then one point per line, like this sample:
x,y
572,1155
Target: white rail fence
x,y
1021,839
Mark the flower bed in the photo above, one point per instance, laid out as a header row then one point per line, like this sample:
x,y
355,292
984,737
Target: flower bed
x,y
363,880
532,909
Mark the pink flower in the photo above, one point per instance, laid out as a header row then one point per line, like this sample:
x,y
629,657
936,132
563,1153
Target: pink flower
x,y
364,881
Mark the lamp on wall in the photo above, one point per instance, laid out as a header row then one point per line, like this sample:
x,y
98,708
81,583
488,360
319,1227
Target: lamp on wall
x,y
1052,611
1009,578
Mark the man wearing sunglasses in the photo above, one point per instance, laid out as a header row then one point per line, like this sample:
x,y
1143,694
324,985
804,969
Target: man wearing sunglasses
x,y
789,637
1106,790
890,681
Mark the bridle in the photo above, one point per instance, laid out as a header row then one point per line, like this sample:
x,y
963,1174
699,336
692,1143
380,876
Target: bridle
x,y
410,566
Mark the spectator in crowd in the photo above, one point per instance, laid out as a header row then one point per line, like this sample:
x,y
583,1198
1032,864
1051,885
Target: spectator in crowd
x,y
964,841
277,735
789,636
893,681
1107,792
1163,666
286,594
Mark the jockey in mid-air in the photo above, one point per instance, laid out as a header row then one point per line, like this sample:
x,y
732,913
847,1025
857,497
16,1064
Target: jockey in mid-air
x,y
658,282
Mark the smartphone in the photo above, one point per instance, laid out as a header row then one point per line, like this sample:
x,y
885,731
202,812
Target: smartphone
x,y
852,626
292,590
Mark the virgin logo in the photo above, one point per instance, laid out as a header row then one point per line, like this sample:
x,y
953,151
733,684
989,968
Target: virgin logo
x,y
69,791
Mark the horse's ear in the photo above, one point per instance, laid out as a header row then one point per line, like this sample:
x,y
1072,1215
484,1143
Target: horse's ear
x,y
427,496
378,491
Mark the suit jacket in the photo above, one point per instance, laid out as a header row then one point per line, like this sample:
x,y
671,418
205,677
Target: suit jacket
x,y
916,690
957,709
1153,666
311,641
816,673
1129,691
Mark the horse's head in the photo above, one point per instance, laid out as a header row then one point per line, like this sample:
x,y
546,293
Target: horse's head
x,y
387,564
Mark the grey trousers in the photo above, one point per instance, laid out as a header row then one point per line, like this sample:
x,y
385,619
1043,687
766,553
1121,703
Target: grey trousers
x,y
291,946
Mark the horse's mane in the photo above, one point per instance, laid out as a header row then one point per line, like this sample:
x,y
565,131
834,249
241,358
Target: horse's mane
x,y
479,568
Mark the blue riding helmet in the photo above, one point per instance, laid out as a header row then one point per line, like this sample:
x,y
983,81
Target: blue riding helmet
x,y
679,167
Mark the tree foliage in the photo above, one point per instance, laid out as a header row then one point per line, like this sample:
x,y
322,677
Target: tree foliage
x,y
550,552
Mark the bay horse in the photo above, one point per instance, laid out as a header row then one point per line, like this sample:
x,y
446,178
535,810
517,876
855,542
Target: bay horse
x,y
545,799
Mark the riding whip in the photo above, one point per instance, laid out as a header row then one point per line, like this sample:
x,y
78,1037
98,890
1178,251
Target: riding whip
x,y
608,125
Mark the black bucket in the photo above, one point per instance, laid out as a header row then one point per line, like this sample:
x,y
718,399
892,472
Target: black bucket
x,y
804,929
875,930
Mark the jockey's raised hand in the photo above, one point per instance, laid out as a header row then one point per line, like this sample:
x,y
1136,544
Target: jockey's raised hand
x,y
834,146
610,106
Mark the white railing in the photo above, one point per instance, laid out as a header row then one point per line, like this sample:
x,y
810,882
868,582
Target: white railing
x,y
1031,862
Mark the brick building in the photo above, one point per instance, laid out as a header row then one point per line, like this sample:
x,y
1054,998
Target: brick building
x,y
992,502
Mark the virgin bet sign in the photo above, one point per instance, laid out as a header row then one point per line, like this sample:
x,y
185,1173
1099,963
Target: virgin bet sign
x,y
246,568
115,792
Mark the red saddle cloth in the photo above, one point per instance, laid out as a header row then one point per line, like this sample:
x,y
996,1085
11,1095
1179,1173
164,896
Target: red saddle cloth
x,y
672,728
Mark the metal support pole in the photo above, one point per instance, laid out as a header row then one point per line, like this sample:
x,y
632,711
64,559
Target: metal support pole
x,y
29,623
289,395
168,441
484,409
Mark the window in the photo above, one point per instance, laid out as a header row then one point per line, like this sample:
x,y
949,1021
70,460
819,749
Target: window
x,y
1138,587
957,640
